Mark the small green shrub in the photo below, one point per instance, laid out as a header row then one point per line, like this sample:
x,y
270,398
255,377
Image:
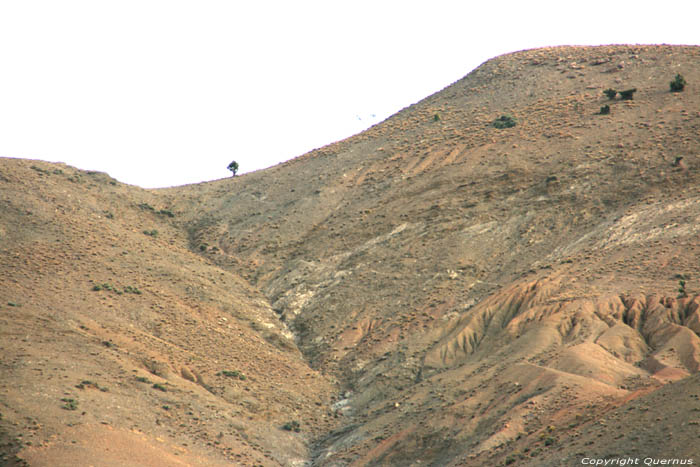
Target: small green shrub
x,y
103,286
232,374
13,304
143,379
166,212
151,233
678,84
504,121
605,110
40,170
628,94
131,289
160,387
611,93
682,293
436,118
292,426
70,404
146,207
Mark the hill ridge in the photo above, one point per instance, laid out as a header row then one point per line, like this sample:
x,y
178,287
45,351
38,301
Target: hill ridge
x,y
434,290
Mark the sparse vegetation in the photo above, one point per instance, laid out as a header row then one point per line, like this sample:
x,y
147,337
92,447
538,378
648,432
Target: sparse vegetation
x,y
146,207
611,93
103,286
628,94
232,374
436,117
14,304
90,384
682,293
109,287
505,121
143,379
678,83
292,426
159,387
151,233
605,110
166,213
70,404
132,289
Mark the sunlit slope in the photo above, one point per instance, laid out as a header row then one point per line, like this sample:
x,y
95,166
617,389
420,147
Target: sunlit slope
x,y
471,285
114,333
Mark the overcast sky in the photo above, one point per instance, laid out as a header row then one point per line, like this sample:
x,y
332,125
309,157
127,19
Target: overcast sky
x,y
161,93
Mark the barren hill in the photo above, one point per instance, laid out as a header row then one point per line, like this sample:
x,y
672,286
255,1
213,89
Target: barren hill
x,y
433,291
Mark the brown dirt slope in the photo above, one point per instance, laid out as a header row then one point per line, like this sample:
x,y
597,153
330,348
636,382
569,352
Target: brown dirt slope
x,y
122,347
459,294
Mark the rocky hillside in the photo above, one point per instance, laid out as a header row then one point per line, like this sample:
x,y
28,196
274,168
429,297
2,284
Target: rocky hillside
x,y
433,291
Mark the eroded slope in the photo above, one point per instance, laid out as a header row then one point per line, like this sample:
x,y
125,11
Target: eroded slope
x,y
472,286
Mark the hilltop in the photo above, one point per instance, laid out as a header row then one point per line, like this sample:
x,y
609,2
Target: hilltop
x,y
432,291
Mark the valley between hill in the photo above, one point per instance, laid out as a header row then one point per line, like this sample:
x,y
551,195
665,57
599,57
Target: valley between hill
x,y
432,291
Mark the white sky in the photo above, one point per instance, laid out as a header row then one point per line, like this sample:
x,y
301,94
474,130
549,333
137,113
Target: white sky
x,y
161,93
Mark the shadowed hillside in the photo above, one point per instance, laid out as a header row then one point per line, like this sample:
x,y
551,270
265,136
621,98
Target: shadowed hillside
x,y
433,291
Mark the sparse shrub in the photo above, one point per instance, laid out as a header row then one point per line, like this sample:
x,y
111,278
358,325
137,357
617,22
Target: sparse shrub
x,y
292,426
678,84
504,121
628,94
436,117
232,374
151,233
143,379
166,212
203,247
510,459
131,289
40,170
549,441
682,293
146,207
13,304
611,93
70,404
159,387
605,110
87,383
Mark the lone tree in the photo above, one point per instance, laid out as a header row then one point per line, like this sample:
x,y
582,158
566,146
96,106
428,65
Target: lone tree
x,y
233,167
